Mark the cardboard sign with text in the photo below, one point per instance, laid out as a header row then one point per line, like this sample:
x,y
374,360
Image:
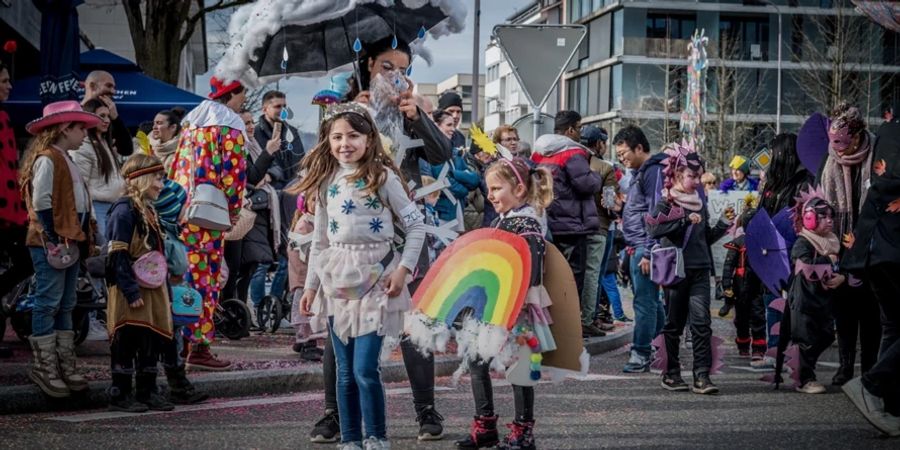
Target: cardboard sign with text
x,y
718,201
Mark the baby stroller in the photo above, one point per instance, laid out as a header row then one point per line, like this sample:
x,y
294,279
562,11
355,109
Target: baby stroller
x,y
91,296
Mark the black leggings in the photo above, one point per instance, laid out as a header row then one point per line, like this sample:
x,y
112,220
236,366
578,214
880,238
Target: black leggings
x,y
483,391
239,274
689,298
856,313
135,350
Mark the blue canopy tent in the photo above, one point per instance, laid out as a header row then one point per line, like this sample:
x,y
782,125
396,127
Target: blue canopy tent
x,y
138,97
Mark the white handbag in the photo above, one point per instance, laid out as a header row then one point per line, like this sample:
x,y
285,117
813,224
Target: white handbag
x,y
208,207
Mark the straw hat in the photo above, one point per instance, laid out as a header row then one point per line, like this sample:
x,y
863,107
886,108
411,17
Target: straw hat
x,y
63,112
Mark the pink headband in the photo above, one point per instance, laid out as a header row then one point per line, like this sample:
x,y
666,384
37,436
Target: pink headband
x,y
515,171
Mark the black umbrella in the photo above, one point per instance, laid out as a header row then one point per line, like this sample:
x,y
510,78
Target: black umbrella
x,y
59,49
324,46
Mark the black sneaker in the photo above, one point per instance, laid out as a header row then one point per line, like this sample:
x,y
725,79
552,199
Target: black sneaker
x,y
127,404
156,402
703,385
726,308
673,382
624,319
327,429
311,354
431,426
590,330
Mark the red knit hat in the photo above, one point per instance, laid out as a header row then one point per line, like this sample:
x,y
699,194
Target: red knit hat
x,y
218,88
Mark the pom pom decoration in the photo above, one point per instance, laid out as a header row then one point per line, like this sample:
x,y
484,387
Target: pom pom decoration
x,y
143,142
10,46
487,145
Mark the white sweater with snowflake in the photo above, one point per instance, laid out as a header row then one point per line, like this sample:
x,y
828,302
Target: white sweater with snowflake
x,y
347,214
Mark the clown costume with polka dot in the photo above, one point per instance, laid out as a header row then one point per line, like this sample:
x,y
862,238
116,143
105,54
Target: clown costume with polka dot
x,y
210,151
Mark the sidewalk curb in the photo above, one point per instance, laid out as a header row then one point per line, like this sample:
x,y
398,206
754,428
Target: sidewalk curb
x,y
25,399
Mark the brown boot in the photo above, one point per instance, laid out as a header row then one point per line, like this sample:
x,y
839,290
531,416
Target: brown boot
x,y
45,367
202,359
65,350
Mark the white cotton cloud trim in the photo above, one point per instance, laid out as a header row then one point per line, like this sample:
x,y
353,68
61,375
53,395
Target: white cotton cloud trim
x,y
252,24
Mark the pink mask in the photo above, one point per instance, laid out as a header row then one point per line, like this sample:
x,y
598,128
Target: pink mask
x,y
839,138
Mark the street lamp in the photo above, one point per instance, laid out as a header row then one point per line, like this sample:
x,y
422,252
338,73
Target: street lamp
x,y
778,95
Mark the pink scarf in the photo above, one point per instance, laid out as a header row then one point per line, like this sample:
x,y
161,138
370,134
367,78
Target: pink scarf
x,y
824,245
687,201
837,181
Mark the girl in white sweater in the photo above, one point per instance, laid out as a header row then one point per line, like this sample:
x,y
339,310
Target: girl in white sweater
x,y
356,280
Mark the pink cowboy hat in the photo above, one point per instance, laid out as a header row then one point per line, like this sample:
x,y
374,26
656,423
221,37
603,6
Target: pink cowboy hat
x,y
63,112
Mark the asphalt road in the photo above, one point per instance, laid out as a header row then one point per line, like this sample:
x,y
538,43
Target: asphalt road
x,y
610,409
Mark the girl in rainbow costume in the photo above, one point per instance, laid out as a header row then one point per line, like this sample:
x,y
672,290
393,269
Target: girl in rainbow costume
x,y
519,193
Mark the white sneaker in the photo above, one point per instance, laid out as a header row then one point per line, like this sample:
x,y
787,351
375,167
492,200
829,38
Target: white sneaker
x,y
349,446
765,363
374,443
871,407
97,331
811,387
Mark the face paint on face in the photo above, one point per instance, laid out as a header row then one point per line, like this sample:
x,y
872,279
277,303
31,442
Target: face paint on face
x,y
839,138
689,180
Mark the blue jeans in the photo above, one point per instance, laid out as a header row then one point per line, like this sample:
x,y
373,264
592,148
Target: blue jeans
x,y
101,212
53,293
649,313
258,281
360,393
612,292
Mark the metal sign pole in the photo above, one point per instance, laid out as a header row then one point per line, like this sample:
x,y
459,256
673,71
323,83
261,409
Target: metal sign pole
x,y
536,123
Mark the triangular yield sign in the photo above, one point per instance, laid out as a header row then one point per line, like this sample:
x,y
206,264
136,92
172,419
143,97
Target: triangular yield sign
x,y
539,54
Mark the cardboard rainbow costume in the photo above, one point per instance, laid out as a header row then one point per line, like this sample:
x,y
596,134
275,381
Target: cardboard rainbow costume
x,y
490,282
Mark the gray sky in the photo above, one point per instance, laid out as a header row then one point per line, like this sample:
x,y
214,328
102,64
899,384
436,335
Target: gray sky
x,y
452,54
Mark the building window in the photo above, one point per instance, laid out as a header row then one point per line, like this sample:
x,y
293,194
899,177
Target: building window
x,y
466,91
745,38
615,81
661,26
579,9
578,94
493,73
618,35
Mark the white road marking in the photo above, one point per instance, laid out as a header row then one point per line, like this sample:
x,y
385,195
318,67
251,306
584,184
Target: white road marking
x,y
296,398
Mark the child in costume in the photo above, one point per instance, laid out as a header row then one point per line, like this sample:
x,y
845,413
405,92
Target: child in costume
x,y
299,240
741,287
815,256
519,194
139,317
59,211
169,207
681,219
357,283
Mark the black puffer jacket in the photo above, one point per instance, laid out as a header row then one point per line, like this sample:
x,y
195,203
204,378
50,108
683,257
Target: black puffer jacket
x,y
258,244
